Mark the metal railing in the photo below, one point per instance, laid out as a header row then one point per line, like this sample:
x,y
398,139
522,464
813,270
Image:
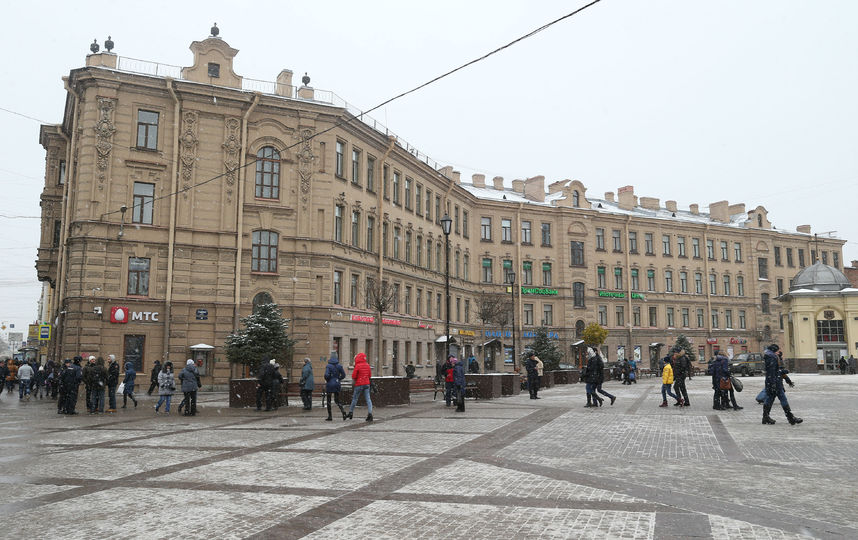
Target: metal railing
x,y
156,69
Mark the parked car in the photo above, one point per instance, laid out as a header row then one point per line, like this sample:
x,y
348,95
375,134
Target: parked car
x,y
746,364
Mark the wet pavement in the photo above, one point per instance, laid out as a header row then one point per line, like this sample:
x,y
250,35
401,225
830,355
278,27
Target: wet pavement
x,y
506,468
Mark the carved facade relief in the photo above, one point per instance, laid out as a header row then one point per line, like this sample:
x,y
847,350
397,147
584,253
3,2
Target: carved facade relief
x,y
104,130
231,149
188,143
306,158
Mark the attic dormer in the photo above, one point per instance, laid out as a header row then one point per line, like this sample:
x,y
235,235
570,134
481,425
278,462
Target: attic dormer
x,y
212,63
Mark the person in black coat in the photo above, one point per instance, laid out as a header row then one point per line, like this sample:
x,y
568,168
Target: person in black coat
x,y
720,369
264,378
594,373
775,375
532,367
682,372
112,382
69,381
153,377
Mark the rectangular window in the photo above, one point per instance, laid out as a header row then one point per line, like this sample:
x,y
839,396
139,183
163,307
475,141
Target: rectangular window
x,y
384,242
528,314
800,258
437,209
546,274
577,253
418,200
715,319
263,256
438,306
527,273
824,257
456,226
138,277
671,323
600,275
668,281
683,282
713,284
649,246
487,270
618,278
547,315
740,286
506,230
633,242
370,173
525,232
507,271
621,315
603,315
339,163
408,186
134,348
763,267
546,234
486,228
780,286
728,318
429,204
698,283
419,244
338,284
737,251
600,239
778,256
700,322
742,322
578,294
835,259
438,257
636,315
370,284
685,318
653,316
790,261
680,246
618,242
636,283
61,176
726,285
354,293
355,228
385,181
397,235
456,259
396,196
408,247
408,301
355,166
467,311
338,223
764,303
465,232
458,309
144,200
428,303
650,280
466,267
370,234
58,231
695,248
147,129
665,244
725,252
710,250
419,302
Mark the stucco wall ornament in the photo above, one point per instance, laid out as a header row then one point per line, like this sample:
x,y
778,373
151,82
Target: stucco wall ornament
x,y
306,158
104,130
231,149
189,142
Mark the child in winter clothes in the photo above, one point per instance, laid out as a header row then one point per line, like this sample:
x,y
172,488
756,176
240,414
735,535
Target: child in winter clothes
x,y
667,382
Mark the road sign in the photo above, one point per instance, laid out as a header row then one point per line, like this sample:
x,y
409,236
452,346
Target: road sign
x,y
202,314
44,332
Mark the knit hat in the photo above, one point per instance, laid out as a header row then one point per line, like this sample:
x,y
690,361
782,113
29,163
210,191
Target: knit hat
x,y
773,347
590,352
41,368
91,358
190,362
272,362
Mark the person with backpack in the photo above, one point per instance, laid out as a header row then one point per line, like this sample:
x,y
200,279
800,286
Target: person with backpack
x,y
166,387
190,378
98,379
362,377
128,381
334,374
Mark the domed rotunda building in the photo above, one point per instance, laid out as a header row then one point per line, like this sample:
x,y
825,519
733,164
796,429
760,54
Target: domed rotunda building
x,y
821,319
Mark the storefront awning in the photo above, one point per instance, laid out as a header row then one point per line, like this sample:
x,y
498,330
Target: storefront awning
x,y
201,347
443,339
490,341
577,343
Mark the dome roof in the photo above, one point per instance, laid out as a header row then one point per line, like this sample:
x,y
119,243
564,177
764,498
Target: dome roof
x,y
820,277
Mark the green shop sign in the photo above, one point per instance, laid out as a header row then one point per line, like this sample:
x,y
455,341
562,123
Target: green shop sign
x,y
611,294
538,290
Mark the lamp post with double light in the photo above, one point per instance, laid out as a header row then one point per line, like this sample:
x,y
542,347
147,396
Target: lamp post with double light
x,y
446,222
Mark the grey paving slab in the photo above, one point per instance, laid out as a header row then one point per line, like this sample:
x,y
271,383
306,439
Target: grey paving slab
x,y
384,441
216,438
442,425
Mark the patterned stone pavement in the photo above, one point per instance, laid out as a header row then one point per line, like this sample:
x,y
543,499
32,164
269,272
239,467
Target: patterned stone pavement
x,y
508,468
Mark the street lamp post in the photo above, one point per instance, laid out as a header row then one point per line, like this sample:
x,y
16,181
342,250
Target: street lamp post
x,y
446,222
512,292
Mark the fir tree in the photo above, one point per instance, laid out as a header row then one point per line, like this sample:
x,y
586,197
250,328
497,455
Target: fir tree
x,y
685,345
546,349
263,337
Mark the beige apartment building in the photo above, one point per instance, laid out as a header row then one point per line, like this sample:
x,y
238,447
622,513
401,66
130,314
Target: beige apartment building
x,y
176,199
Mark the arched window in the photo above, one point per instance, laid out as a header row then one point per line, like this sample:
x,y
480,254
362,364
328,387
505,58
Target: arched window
x,y
579,329
260,299
268,173
760,220
576,199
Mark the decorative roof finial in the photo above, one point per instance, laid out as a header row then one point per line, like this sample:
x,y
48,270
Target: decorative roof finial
x,y
108,44
94,47
305,79
215,30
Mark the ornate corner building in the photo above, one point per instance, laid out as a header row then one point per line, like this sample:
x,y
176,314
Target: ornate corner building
x,y
177,198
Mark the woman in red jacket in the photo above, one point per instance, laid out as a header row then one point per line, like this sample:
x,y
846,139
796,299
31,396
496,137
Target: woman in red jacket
x,y
361,376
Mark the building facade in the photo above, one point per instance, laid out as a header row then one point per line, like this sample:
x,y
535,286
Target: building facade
x,y
176,199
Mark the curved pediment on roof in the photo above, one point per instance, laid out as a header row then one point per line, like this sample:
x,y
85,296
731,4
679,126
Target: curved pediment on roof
x,y
758,218
574,194
577,228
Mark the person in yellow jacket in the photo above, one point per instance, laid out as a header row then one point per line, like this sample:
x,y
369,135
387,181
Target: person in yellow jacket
x,y
666,382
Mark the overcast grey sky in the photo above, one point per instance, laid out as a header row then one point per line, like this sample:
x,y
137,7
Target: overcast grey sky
x,y
748,101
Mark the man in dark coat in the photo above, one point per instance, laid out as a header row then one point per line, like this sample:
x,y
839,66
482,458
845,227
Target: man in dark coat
x,y
594,373
775,386
681,372
720,369
112,382
263,386
87,381
153,377
69,381
532,367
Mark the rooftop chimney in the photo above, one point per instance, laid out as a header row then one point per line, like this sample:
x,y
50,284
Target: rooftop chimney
x,y
650,203
554,187
694,209
457,177
627,199
670,205
609,196
734,209
498,182
803,229
718,212
284,83
447,171
479,180
518,186
534,188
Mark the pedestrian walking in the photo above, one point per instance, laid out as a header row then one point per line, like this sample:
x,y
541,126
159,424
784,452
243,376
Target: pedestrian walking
x,y
448,380
633,371
39,380
362,377
98,378
682,372
533,365
667,381
4,372
718,368
334,374
69,381
112,382
87,381
459,384
166,387
153,377
276,383
25,373
853,364
307,383
843,365
775,374
264,380
600,367
128,381
594,372
190,378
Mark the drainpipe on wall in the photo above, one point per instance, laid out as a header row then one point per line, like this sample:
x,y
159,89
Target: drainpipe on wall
x,y
391,141
173,209
239,219
630,315
516,290
708,315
